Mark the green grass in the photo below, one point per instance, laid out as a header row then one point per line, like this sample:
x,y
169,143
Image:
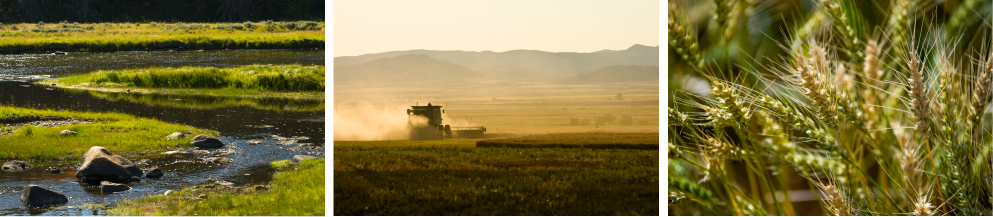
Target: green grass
x,y
210,102
295,191
454,178
578,140
294,81
102,37
120,133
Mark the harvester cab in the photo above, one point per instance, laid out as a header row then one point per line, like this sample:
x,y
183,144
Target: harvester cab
x,y
435,130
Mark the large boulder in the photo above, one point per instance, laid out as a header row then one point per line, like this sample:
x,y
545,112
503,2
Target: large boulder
x,y
202,141
34,195
99,164
299,157
16,166
106,186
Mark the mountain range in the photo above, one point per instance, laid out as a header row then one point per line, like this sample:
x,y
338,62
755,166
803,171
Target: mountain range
x,y
520,65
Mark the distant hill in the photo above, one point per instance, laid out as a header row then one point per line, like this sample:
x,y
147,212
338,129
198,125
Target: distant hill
x,y
518,73
561,64
634,55
405,67
611,74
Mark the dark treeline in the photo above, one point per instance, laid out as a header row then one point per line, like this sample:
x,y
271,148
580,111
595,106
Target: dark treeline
x,y
12,11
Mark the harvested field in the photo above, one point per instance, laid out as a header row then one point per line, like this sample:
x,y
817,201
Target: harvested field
x,y
578,140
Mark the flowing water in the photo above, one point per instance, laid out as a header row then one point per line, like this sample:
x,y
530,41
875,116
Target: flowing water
x,y
273,121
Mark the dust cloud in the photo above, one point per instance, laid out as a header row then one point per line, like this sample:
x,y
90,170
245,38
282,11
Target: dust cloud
x,y
364,121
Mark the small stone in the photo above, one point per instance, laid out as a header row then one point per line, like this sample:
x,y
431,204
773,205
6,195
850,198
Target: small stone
x,y
67,133
154,172
16,166
220,160
106,186
261,187
56,170
134,179
168,192
287,142
254,142
202,196
202,141
300,157
176,135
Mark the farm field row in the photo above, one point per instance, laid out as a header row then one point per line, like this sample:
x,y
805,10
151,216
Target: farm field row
x,y
453,178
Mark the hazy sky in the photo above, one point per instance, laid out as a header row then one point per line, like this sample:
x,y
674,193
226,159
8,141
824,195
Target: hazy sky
x,y
373,26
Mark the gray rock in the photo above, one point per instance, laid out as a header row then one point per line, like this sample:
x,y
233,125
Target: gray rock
x,y
99,164
56,170
221,182
16,166
67,133
134,179
220,160
106,186
155,172
168,192
34,195
287,142
254,142
300,157
202,141
177,135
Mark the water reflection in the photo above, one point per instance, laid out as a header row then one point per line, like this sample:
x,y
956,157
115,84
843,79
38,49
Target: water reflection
x,y
213,102
75,63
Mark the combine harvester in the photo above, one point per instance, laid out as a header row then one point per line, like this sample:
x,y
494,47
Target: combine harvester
x,y
434,130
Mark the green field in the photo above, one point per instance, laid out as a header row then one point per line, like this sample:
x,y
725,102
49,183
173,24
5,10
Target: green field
x,y
578,140
120,133
453,177
288,81
102,37
297,190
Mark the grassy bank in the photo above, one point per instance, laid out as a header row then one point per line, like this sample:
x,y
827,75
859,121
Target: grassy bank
x,y
578,140
293,81
210,102
296,191
75,37
455,178
120,133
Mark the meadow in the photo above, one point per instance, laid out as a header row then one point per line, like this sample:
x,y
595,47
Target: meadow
x,y
296,190
122,134
104,37
288,81
648,141
453,177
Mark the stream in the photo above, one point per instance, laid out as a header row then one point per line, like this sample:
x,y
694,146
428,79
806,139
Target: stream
x,y
237,120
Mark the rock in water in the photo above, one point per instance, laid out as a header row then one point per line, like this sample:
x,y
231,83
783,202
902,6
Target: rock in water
x,y
220,160
106,186
67,133
176,135
300,157
155,172
34,195
16,166
99,164
202,141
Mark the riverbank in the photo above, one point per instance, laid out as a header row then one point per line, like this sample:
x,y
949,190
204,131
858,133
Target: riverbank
x,y
257,81
104,37
34,135
297,190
